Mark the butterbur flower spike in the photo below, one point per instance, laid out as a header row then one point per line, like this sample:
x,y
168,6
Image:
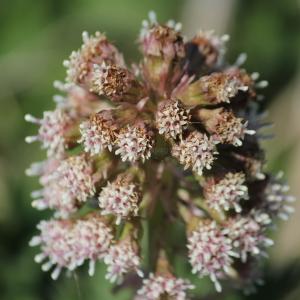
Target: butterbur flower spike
x,y
134,153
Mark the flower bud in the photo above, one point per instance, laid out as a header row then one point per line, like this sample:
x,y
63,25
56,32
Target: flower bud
x,y
67,244
53,132
75,175
248,237
164,286
277,202
122,258
163,50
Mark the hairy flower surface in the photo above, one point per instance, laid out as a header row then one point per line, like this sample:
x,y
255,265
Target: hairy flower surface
x,y
162,41
218,88
113,82
227,192
135,152
210,252
158,287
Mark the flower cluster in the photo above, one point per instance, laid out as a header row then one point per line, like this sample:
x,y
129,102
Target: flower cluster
x,y
169,140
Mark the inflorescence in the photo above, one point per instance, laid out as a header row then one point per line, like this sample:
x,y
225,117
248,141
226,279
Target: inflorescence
x,y
170,140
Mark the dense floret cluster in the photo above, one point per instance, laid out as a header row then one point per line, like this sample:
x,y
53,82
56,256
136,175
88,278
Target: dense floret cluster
x,y
170,140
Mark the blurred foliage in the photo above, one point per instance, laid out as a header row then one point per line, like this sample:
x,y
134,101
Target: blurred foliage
x,y
35,38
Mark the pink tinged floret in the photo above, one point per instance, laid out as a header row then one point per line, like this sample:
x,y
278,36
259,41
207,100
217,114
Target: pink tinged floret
x,y
56,246
98,133
162,41
92,239
95,50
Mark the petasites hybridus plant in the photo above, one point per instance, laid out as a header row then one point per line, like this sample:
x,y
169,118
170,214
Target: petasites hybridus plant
x,y
139,154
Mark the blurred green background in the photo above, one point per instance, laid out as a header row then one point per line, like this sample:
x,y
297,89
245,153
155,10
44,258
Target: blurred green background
x,y
35,37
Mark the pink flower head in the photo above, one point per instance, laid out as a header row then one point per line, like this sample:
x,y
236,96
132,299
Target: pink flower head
x,y
75,175
121,259
120,198
53,128
227,192
158,287
211,252
67,244
248,237
196,151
